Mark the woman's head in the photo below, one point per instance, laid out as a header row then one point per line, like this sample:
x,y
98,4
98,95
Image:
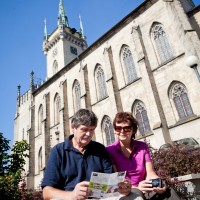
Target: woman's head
x,y
126,117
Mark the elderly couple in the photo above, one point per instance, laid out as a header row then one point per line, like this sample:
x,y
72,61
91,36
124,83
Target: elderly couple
x,y
70,164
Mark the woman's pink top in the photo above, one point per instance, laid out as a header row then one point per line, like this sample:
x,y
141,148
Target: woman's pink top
x,y
135,164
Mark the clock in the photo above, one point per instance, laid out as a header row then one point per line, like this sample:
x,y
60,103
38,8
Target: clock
x,y
54,52
73,50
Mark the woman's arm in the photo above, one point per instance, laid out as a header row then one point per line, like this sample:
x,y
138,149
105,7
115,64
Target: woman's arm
x,y
151,174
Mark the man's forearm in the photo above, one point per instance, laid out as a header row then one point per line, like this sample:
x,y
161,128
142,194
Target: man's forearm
x,y
53,193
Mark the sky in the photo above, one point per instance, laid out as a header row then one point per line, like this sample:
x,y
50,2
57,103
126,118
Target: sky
x,y
21,37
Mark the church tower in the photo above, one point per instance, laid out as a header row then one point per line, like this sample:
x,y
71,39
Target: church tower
x,y
63,44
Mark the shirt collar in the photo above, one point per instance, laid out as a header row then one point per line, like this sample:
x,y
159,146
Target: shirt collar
x,y
118,147
68,144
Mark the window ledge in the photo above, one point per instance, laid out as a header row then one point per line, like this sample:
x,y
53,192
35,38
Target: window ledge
x,y
185,120
146,134
168,61
100,100
127,84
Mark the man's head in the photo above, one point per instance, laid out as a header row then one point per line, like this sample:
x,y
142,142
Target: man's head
x,y
83,125
84,117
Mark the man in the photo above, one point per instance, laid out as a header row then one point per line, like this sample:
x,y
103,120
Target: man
x,y
71,162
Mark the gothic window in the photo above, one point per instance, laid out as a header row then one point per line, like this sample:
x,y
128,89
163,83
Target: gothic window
x,y
181,101
40,159
40,118
163,47
142,117
128,64
56,109
77,95
108,130
100,83
55,67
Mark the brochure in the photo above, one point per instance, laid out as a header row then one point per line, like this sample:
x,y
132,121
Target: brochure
x,y
105,185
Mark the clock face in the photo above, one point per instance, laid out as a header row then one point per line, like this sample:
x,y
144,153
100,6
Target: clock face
x,y
54,52
73,50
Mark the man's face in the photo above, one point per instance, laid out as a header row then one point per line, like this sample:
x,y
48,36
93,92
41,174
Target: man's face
x,y
83,134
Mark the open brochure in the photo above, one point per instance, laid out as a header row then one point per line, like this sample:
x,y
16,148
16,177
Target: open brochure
x,y
105,185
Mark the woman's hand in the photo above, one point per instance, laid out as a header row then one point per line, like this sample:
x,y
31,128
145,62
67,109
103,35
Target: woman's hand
x,y
124,187
160,190
145,186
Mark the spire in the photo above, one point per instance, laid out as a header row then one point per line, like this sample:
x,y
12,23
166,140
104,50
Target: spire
x,y
81,27
45,29
18,95
62,18
32,81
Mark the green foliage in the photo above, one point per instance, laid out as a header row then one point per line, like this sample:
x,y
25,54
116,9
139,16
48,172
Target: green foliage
x,y
4,157
11,167
18,156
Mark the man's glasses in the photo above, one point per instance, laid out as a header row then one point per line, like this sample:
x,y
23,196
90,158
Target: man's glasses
x,y
125,129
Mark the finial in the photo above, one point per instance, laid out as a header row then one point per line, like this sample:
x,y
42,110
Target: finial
x,y
32,81
81,27
18,95
45,29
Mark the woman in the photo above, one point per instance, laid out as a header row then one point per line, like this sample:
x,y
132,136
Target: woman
x,y
131,155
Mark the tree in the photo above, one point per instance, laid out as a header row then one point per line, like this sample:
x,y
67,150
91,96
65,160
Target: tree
x,y
11,167
4,157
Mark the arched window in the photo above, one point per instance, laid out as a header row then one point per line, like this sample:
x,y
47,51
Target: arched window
x,y
77,95
128,64
108,130
40,119
40,160
100,83
55,67
56,109
181,101
160,39
142,117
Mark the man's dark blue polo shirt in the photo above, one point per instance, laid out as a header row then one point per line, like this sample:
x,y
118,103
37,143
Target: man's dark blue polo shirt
x,y
67,166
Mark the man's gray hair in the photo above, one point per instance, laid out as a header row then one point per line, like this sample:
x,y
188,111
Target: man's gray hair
x,y
84,117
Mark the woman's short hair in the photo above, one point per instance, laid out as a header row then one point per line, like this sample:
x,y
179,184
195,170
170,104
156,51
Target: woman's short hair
x,y
121,117
84,117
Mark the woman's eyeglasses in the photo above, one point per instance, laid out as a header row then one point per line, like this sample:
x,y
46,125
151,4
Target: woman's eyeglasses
x,y
125,129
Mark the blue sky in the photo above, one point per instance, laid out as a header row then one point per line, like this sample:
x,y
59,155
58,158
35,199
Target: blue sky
x,y
21,37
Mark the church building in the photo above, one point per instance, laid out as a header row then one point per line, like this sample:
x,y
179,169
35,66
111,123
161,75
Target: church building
x,y
147,64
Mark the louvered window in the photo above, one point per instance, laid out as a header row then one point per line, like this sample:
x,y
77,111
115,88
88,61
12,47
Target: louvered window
x,y
77,95
162,44
142,118
101,83
129,66
108,130
181,101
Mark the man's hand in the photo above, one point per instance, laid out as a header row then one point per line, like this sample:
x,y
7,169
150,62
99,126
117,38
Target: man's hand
x,y
124,187
81,191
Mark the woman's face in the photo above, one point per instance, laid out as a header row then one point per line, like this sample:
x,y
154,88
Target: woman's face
x,y
124,131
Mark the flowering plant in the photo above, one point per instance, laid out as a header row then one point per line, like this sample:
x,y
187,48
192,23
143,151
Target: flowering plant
x,y
175,161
